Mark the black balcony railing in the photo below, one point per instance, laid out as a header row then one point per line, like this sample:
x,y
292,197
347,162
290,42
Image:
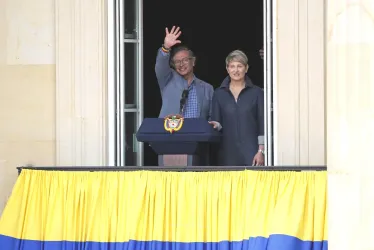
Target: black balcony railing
x,y
179,169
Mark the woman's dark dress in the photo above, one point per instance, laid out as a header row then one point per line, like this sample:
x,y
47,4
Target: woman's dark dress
x,y
242,122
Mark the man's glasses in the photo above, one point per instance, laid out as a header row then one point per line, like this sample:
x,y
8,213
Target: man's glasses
x,y
182,62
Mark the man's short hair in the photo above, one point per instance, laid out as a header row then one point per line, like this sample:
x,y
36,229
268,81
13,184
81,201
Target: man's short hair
x,y
179,48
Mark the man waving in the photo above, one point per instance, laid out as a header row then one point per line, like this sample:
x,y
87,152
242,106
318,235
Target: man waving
x,y
182,92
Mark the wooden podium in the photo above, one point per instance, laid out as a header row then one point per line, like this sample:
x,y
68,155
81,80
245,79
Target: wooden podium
x,y
173,160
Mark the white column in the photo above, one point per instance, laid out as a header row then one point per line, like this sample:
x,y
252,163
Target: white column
x,y
299,91
350,123
80,82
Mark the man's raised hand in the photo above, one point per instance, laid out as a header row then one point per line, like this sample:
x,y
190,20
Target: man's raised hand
x,y
171,38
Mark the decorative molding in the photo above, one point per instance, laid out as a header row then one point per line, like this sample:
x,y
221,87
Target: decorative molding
x,y
81,82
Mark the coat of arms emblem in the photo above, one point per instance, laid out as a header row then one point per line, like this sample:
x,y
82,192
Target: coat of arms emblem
x,y
173,123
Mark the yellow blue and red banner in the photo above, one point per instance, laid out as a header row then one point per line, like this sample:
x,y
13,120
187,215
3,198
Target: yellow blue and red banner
x,y
148,210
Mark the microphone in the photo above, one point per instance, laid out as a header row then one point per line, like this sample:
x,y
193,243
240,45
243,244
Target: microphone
x,y
183,101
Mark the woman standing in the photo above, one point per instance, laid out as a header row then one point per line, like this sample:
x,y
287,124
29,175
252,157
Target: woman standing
x,y
238,112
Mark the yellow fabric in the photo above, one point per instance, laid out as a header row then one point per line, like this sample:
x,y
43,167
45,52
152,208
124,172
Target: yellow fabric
x,y
166,206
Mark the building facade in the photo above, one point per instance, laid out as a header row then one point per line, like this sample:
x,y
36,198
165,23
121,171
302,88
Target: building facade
x,y
55,89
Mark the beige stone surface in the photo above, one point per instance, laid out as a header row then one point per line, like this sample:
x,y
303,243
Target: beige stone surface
x,y
350,123
30,32
27,103
52,85
27,120
27,88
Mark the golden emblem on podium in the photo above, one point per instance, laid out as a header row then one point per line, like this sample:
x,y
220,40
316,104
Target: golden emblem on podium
x,y
173,123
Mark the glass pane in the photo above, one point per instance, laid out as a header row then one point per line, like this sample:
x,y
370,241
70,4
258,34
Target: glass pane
x,y
130,19
131,75
130,139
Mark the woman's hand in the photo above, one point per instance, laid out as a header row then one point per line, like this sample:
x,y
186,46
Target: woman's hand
x,y
171,38
258,160
216,125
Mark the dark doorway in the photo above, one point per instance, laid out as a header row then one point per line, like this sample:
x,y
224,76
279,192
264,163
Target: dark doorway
x,y
212,31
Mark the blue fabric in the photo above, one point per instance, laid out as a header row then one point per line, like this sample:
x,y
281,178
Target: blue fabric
x,y
274,242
